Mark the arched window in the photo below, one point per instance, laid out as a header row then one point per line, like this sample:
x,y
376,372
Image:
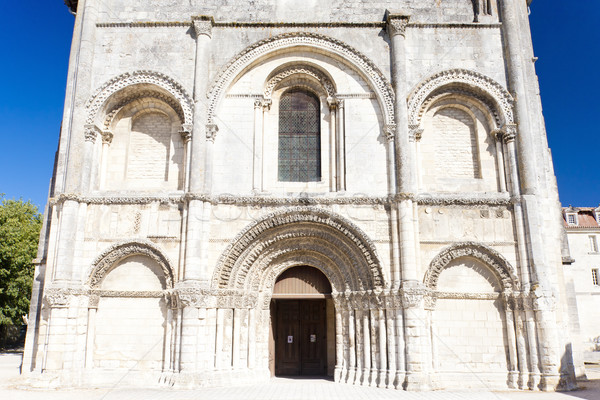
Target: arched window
x,y
299,137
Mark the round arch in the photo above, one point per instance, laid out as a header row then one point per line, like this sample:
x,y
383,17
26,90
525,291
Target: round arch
x,y
106,261
124,88
498,264
300,236
350,55
464,82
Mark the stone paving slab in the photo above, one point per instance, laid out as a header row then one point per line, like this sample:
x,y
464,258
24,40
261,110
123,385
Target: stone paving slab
x,y
276,389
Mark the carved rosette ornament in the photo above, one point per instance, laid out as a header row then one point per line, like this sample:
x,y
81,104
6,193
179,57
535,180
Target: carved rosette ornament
x,y
203,25
91,132
397,25
211,132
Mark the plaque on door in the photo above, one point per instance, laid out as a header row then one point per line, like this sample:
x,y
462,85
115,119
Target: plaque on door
x,y
290,339
313,338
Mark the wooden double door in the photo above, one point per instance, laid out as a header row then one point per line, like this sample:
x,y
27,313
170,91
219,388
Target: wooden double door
x,y
300,337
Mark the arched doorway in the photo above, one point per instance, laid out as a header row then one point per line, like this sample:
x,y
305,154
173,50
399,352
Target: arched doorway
x,y
302,324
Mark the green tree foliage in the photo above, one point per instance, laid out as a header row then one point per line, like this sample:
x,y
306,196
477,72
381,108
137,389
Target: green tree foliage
x,y
20,225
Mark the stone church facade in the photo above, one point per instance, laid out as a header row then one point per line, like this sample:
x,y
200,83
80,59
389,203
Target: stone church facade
x,y
248,189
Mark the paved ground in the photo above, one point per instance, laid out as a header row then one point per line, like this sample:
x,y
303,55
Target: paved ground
x,y
278,388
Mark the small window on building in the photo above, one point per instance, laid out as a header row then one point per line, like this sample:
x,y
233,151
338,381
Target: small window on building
x,y
299,137
595,281
572,219
593,244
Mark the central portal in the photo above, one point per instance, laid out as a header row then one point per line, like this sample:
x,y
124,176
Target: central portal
x,y
302,326
301,338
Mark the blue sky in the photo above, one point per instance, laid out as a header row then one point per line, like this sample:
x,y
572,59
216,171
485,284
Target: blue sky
x,y
36,46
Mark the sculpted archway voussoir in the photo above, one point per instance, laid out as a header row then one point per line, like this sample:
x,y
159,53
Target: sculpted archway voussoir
x,y
345,231
301,69
501,97
377,80
501,267
340,254
118,83
115,253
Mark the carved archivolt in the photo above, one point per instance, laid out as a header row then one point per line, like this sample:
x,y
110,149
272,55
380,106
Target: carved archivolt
x,y
111,256
375,77
501,267
99,99
327,238
301,69
470,83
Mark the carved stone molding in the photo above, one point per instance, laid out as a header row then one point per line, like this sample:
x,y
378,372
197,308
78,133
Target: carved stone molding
x,y
501,267
100,97
211,132
412,297
509,133
203,25
396,24
468,82
374,76
109,257
91,132
300,222
300,69
389,131
192,297
107,137
58,297
186,133
465,199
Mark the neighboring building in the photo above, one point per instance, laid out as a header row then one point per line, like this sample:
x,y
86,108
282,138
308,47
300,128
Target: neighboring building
x,y
582,271
290,187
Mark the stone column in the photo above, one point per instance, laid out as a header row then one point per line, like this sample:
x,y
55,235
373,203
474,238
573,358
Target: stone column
x,y
521,345
91,132
544,306
91,331
512,345
400,345
107,137
333,164
186,137
366,334
498,134
351,346
405,157
340,150
63,265
390,131
339,345
390,313
382,373
257,185
415,331
251,338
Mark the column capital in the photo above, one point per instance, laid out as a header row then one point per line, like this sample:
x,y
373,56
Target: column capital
x,y
396,24
333,103
389,131
203,25
186,132
415,132
107,137
91,132
498,135
211,132
510,133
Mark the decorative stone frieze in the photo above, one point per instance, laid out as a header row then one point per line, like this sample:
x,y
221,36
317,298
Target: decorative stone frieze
x,y
475,81
375,77
300,69
129,79
488,256
109,257
56,297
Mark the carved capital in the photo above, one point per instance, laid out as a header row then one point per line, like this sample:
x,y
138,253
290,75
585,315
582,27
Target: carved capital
x,y
510,133
258,103
93,301
91,132
107,137
543,301
203,25
57,297
389,131
396,24
191,297
186,132
211,132
430,301
332,102
498,134
415,134
412,298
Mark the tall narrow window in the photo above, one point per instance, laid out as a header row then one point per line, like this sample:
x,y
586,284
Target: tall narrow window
x,y
299,137
593,244
595,281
